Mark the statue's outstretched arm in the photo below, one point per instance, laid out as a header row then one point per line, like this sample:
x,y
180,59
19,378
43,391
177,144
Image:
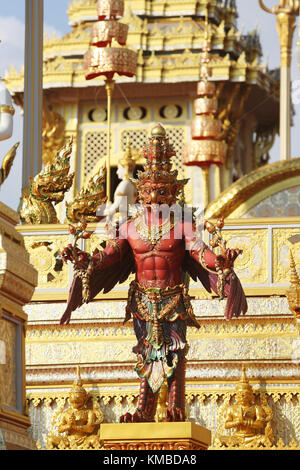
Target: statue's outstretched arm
x,y
216,271
98,272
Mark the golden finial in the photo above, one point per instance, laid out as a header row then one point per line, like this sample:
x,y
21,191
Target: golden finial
x,y
127,160
243,382
244,378
78,376
206,35
158,131
77,384
293,292
294,278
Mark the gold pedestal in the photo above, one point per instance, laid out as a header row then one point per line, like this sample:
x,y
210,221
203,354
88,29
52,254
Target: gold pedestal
x,y
155,436
17,282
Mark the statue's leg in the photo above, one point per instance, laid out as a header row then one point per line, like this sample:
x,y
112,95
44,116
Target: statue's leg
x,y
176,385
146,408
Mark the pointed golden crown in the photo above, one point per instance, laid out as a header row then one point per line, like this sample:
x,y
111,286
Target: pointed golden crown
x,y
158,153
77,384
243,383
127,160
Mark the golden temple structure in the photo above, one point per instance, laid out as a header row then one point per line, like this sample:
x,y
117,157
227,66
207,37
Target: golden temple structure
x,y
260,203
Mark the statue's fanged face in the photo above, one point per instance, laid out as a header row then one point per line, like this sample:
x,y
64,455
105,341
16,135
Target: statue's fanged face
x,y
157,193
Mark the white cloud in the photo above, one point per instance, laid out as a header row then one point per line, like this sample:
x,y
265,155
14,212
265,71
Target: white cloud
x,y
50,30
12,31
12,36
12,39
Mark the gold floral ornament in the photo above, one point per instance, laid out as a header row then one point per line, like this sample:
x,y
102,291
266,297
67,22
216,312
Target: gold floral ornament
x,y
251,422
88,200
47,188
79,425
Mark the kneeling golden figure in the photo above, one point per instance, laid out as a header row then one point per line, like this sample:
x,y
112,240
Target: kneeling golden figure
x,y
78,426
250,421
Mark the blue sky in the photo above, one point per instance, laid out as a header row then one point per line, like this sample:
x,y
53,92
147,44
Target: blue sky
x,y
12,15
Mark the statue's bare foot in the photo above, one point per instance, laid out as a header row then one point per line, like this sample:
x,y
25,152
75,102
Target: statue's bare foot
x,y
175,414
136,417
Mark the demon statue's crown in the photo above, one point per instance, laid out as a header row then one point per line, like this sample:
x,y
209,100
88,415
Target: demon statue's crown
x,y
158,183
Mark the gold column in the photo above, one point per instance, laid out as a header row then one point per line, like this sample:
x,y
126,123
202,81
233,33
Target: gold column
x,y
217,180
206,185
286,13
109,90
33,90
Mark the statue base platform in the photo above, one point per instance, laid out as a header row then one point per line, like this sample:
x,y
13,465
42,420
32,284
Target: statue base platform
x,y
155,436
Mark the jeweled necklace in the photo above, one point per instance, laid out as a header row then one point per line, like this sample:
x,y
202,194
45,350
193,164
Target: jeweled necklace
x,y
154,232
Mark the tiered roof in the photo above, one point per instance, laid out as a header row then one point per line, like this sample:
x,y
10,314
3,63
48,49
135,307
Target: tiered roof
x,y
168,35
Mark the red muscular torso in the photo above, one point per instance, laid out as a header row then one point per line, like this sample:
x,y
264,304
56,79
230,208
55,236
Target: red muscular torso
x,y
157,265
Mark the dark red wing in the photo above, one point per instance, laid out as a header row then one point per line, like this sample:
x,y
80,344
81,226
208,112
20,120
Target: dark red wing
x,y
104,280
236,300
196,271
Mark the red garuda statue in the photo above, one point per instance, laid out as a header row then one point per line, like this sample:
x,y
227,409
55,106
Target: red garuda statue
x,y
162,251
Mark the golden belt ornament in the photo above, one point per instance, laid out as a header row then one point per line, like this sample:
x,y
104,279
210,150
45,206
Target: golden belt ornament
x,y
175,294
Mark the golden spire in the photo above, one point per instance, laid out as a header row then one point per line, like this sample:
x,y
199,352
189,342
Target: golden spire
x,y
294,278
293,292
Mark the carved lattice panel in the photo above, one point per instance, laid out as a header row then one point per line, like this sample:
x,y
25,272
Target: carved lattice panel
x,y
95,148
137,138
177,138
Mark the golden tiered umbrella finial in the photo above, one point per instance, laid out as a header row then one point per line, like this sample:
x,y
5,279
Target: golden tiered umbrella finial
x,y
103,59
207,147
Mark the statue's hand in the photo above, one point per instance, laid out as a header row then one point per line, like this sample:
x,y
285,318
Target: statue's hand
x,y
72,423
225,261
238,422
78,257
